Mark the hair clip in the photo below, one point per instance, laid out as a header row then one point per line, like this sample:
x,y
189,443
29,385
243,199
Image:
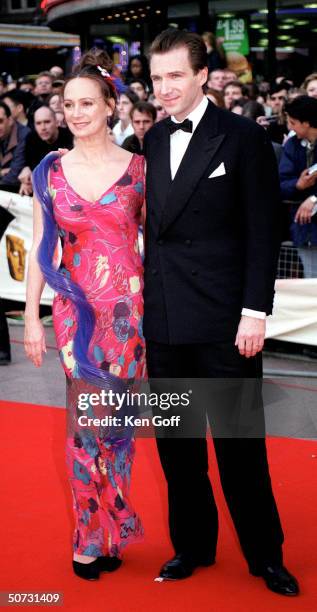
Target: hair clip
x,y
103,72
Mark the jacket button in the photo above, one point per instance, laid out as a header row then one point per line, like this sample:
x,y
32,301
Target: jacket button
x,y
188,242
194,272
160,242
154,271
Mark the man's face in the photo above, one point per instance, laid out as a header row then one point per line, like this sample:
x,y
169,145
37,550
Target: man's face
x,y
229,75
43,85
217,80
232,92
45,124
174,83
5,125
276,101
301,129
141,123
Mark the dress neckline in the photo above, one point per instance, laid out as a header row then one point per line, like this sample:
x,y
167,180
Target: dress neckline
x,y
105,192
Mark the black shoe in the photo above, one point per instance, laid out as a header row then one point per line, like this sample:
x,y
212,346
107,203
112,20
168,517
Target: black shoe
x,y
88,571
91,571
109,564
5,358
182,566
279,580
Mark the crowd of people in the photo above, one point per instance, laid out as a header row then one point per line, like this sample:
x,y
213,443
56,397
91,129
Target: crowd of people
x,y
32,122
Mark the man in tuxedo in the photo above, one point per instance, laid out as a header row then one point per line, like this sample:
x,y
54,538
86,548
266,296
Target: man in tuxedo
x,y
210,261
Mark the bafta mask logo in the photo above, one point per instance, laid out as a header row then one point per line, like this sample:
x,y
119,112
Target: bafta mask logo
x,y
16,257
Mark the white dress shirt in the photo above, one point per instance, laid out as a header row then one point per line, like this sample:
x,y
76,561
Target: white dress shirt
x,y
179,142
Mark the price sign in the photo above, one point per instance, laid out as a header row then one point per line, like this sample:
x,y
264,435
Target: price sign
x,y
234,33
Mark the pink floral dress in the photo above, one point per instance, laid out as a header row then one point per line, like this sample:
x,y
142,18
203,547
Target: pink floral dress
x,y
100,253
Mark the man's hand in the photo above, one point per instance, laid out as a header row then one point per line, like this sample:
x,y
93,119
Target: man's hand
x,y
303,214
26,189
4,171
306,180
250,336
25,177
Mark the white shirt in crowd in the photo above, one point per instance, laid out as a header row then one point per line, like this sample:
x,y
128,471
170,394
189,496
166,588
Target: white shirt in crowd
x,y
119,134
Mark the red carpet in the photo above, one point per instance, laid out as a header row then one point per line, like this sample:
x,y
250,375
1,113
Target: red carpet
x,y
36,528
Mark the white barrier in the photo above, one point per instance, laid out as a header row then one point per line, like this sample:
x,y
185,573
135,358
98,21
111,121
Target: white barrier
x,y
15,247
295,305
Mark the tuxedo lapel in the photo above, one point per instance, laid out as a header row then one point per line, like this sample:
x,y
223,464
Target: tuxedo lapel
x,y
204,144
159,166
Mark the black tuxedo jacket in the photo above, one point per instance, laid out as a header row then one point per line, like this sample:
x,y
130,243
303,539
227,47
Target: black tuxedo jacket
x,y
211,244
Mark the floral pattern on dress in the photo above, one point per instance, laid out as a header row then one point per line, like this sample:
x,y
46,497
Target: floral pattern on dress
x,y
100,253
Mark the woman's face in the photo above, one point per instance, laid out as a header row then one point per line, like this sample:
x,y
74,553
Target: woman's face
x,y
85,109
312,88
139,90
136,67
55,103
124,107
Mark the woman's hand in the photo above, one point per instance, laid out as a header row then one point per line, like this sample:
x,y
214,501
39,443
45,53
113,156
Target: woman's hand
x,y
34,341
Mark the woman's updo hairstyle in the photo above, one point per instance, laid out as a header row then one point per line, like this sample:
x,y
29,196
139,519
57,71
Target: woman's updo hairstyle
x,y
96,65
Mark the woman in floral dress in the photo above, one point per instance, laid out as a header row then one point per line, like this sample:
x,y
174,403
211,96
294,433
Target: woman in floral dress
x,y
92,199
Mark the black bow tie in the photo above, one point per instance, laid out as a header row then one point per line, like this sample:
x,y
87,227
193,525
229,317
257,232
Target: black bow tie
x,y
186,126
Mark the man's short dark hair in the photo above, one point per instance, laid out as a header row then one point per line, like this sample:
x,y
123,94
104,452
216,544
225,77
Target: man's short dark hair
x,y
141,81
304,109
175,39
18,97
144,107
233,84
45,73
277,87
5,108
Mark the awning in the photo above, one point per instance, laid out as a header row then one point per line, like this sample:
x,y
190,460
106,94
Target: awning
x,y
35,36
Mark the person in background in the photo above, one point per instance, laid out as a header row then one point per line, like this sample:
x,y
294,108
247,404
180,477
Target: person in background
x,y
238,106
57,72
229,75
231,92
298,184
310,85
13,137
160,110
26,84
45,137
215,96
140,88
277,128
216,79
57,86
18,101
55,102
143,117
123,128
43,86
138,68
216,57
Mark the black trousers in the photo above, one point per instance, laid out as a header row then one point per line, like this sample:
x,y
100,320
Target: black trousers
x,y
242,463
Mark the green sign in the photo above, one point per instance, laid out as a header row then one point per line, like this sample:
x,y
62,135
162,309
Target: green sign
x,y
234,33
